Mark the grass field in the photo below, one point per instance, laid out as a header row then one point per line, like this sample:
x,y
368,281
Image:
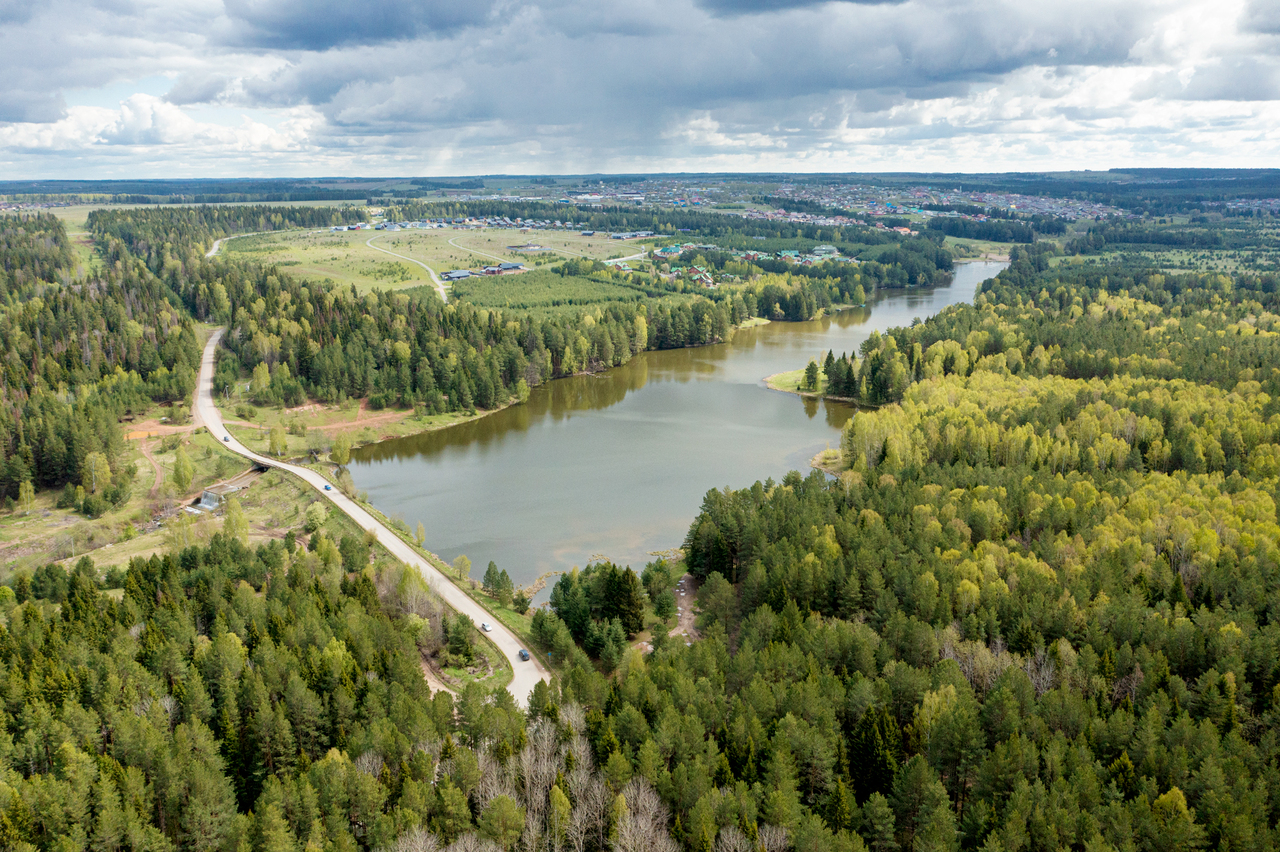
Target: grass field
x,y
350,257
542,289
340,256
315,425
793,380
964,249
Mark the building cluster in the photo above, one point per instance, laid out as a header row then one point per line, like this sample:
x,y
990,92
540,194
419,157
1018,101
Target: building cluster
x,y
888,201
706,276
504,268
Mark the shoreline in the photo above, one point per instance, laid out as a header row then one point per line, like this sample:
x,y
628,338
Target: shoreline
x,y
753,322
986,258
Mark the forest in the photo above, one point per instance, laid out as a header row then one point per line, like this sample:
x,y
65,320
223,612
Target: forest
x,y
79,353
1030,608
1038,596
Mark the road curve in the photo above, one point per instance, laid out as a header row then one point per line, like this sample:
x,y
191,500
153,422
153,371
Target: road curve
x,y
434,278
217,244
526,674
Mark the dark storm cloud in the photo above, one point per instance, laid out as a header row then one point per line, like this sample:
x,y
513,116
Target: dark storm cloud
x,y
322,24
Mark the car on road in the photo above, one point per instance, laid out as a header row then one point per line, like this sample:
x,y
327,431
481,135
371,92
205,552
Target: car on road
x,y
486,627
328,488
524,655
226,439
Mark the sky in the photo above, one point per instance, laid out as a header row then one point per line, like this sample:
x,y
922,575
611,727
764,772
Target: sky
x,y
257,88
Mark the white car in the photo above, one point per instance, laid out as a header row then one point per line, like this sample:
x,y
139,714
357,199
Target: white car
x,y
486,627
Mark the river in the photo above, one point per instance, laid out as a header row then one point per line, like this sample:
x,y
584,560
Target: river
x,y
616,464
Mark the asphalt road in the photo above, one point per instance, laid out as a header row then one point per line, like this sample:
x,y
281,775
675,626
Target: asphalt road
x,y
527,674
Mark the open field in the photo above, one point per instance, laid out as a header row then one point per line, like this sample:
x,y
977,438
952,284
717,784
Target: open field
x,y
341,256
348,258
542,289
966,249
314,425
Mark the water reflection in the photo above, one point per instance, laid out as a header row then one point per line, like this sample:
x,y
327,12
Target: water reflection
x,y
617,463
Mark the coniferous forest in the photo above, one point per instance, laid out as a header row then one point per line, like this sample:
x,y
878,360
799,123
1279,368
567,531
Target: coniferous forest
x,y
1029,608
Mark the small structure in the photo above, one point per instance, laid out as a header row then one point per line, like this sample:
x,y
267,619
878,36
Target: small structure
x,y
456,275
212,498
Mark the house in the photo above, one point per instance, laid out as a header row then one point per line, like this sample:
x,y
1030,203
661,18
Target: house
x,y
456,275
510,267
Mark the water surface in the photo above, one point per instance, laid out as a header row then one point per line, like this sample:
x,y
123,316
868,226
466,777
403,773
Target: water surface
x,y
617,464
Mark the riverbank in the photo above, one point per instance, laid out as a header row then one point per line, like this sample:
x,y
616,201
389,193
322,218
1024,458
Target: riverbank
x,y
526,488
362,425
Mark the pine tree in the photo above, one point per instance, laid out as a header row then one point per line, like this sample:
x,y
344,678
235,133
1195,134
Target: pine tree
x,y
811,375
878,824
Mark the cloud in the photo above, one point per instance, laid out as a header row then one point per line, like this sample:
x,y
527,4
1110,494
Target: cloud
x,y
446,86
18,105
197,89
322,24
1262,16
750,7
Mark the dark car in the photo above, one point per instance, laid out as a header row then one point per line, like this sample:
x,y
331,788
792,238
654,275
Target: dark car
x,y
328,488
226,438
524,655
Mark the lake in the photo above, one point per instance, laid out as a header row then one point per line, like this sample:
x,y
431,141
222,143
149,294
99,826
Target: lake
x,y
616,464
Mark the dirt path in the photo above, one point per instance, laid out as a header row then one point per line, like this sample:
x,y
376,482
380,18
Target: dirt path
x,y
155,465
435,279
686,598
433,680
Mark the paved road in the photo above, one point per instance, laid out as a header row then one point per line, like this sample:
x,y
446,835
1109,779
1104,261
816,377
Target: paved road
x,y
526,673
434,278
